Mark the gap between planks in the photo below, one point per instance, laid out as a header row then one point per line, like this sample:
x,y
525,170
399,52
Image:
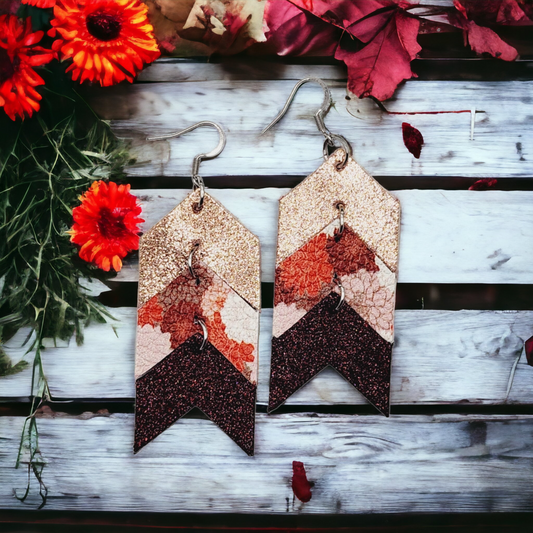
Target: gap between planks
x,y
358,464
439,357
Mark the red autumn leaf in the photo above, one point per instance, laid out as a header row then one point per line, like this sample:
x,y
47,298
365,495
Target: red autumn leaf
x,y
341,13
483,184
296,32
481,39
504,12
300,486
529,351
378,68
345,26
412,138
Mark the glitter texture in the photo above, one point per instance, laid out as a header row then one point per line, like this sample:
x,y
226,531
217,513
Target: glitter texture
x,y
226,246
370,210
341,339
167,319
190,378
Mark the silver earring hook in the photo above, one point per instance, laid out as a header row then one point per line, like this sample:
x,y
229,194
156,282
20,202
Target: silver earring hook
x,y
332,140
198,182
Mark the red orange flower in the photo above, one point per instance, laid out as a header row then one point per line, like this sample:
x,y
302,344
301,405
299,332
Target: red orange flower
x,y
40,3
106,224
108,40
18,56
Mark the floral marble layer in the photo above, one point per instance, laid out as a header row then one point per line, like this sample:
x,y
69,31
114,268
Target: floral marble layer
x,y
331,257
167,320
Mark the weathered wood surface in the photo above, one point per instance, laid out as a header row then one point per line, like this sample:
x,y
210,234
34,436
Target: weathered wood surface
x,y
501,147
359,464
439,357
446,236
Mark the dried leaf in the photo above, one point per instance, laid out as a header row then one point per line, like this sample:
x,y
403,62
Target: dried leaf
x,y
227,26
385,61
412,138
300,486
504,12
529,351
341,13
296,32
166,28
481,39
483,184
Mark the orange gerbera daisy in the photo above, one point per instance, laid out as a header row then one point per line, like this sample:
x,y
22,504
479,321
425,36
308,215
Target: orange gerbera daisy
x,y
40,3
106,224
108,40
18,56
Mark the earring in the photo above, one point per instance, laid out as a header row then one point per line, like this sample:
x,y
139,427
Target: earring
x,y
198,316
335,283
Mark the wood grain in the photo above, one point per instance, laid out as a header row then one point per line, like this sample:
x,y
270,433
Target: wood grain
x,y
501,146
358,464
439,357
446,236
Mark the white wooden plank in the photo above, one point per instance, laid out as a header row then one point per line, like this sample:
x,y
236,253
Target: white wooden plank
x,y
446,236
359,464
501,146
439,357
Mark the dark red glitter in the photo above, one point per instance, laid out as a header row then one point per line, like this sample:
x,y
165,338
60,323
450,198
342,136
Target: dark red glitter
x,y
190,378
341,339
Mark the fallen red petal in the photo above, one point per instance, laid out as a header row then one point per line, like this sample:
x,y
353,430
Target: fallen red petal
x,y
529,351
413,139
483,184
300,486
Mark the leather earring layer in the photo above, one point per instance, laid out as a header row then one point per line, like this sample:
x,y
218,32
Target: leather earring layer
x,y
336,271
198,316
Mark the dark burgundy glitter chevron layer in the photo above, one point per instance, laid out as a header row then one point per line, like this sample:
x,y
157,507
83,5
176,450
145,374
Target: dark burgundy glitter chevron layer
x,y
341,339
190,378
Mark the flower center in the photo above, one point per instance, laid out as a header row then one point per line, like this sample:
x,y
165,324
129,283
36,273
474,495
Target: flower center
x,y
111,223
7,67
103,26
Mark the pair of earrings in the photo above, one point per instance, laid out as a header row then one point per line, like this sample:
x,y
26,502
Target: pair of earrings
x,y
199,295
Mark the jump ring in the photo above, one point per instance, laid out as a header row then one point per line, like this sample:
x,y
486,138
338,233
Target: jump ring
x,y
201,323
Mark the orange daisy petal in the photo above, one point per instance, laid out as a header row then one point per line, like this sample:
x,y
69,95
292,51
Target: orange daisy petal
x,y
18,56
109,40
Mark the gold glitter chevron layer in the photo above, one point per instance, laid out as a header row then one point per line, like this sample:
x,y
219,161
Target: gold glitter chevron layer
x,y
370,210
226,246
